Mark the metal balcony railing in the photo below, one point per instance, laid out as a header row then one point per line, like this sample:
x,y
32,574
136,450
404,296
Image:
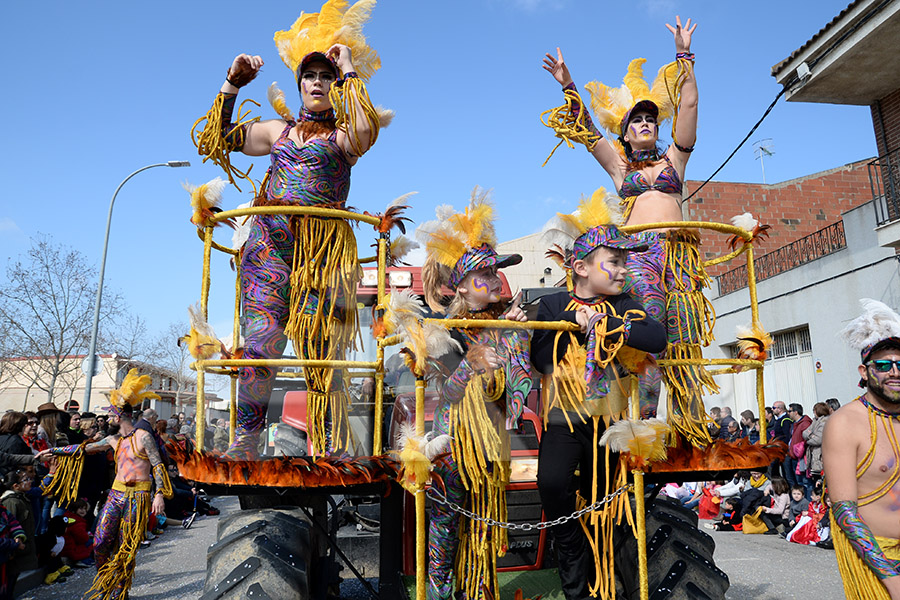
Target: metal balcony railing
x,y
884,177
815,245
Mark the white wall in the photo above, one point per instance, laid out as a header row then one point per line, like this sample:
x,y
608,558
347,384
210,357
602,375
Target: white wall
x,y
823,295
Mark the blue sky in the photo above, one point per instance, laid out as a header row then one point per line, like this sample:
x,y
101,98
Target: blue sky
x,y
96,90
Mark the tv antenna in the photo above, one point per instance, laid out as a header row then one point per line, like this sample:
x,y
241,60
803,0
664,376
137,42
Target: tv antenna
x,y
762,149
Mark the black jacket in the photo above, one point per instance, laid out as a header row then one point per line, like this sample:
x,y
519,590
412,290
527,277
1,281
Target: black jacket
x,y
647,334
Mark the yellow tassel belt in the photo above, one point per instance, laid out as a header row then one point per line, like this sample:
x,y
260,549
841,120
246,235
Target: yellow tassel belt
x,y
132,486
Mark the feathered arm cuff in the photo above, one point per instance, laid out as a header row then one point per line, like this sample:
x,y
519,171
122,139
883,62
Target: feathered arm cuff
x,y
219,137
571,123
354,113
68,474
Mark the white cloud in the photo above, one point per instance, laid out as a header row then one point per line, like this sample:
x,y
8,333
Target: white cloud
x,y
7,225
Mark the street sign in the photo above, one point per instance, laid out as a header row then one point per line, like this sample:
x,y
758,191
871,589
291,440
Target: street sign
x,y
86,364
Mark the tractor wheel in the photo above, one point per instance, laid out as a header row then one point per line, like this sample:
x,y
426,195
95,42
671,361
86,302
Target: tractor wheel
x,y
290,441
679,558
262,554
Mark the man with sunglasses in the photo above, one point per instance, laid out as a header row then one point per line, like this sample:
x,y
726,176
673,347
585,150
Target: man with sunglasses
x,y
861,451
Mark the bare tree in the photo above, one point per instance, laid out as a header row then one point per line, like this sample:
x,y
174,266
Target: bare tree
x,y
174,358
46,305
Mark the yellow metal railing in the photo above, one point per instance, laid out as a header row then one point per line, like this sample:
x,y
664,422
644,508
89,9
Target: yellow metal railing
x,y
376,367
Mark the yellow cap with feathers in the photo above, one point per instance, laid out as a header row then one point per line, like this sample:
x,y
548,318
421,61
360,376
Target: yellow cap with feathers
x,y
131,391
335,23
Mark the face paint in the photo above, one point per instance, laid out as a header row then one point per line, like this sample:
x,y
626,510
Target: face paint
x,y
480,285
601,266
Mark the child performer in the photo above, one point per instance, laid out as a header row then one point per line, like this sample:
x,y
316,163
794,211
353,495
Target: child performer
x,y
585,381
481,400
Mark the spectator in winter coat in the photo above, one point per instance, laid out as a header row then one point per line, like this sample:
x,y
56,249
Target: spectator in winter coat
x,y
12,540
795,461
724,432
813,437
735,486
778,512
16,501
79,542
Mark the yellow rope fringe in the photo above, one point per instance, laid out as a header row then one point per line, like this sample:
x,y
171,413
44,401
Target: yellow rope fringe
x,y
860,583
569,388
113,580
64,484
599,526
888,485
480,447
347,100
325,264
567,127
212,145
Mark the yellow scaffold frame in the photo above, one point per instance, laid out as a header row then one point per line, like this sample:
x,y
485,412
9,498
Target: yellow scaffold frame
x,y
228,366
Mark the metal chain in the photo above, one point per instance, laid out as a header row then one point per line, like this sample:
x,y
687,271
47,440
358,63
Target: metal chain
x,y
440,498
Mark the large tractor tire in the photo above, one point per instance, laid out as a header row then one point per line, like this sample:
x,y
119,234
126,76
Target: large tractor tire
x,y
262,554
679,557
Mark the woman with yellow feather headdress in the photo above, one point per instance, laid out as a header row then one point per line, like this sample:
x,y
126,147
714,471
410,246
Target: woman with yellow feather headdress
x,y
669,277
299,274
483,397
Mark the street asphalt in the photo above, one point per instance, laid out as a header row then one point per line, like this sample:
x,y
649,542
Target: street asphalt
x,y
760,567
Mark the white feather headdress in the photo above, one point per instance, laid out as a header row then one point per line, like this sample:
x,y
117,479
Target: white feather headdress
x,y
878,323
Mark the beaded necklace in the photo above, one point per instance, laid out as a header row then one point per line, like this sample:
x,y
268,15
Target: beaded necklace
x,y
879,411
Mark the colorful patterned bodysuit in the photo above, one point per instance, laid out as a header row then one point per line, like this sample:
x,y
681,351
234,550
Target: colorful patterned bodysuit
x,y
314,174
512,346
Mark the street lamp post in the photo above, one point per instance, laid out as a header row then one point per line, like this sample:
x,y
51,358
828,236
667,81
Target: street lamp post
x,y
91,362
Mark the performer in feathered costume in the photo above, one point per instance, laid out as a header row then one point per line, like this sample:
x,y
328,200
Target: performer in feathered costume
x,y
481,400
669,277
589,372
862,461
299,275
141,484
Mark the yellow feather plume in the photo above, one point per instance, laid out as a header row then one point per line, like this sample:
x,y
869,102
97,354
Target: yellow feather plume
x,y
132,390
204,198
415,468
335,23
452,235
753,342
611,104
278,102
643,440
201,341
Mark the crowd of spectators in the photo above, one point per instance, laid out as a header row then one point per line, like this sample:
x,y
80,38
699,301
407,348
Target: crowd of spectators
x,y
39,532
787,498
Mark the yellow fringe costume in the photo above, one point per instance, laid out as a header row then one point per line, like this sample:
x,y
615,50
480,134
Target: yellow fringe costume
x,y
321,319
860,583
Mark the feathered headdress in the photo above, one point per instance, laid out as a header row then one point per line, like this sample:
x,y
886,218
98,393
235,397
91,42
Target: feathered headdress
x,y
571,237
335,23
131,392
877,326
753,342
612,105
459,243
403,316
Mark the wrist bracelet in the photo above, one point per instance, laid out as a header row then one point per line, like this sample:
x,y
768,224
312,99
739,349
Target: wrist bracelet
x,y
230,82
684,55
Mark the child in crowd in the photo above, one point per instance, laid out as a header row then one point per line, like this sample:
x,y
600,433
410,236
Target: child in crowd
x,y
18,503
710,503
731,517
12,540
49,547
777,514
586,389
812,527
79,542
799,504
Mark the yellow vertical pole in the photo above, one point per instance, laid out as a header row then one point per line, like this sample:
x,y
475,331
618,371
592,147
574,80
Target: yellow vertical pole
x,y
377,442
200,415
232,410
754,315
421,542
235,344
640,509
761,399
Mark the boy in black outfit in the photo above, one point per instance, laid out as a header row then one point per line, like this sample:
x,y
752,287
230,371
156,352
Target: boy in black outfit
x,y
585,384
